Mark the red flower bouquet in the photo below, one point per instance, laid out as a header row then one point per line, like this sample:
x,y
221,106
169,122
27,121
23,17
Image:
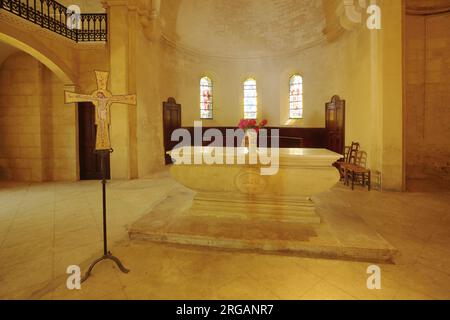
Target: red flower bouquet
x,y
247,124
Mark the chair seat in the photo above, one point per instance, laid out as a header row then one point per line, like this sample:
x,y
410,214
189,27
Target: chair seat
x,y
353,171
355,168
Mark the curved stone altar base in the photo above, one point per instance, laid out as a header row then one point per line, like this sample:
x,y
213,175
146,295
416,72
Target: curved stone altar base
x,y
239,190
234,207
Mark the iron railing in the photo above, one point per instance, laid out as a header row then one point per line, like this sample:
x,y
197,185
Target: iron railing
x,y
51,15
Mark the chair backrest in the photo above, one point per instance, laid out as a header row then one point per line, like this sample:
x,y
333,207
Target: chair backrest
x,y
361,159
352,153
346,151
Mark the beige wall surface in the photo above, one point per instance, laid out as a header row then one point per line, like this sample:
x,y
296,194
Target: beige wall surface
x,y
183,72
327,69
427,96
37,131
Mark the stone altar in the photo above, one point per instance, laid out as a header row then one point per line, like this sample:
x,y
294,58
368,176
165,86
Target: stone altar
x,y
239,190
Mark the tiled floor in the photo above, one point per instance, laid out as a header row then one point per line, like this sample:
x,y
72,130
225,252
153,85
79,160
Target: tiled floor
x,y
46,227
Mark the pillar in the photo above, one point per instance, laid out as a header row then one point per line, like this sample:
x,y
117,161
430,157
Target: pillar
x,y
121,30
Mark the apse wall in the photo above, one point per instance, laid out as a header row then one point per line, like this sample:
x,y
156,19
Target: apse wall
x,y
362,66
228,75
343,67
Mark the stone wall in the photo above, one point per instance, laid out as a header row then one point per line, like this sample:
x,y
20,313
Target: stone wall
x,y
37,131
427,96
20,138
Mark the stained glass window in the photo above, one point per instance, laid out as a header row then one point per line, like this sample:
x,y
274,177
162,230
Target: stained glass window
x,y
206,98
250,99
296,97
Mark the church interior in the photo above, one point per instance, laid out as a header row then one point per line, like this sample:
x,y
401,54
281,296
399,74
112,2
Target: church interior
x,y
355,94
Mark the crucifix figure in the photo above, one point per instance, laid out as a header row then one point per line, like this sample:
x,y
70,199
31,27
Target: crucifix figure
x,y
102,100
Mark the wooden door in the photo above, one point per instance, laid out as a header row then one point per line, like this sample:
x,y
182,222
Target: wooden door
x,y
90,167
171,122
335,124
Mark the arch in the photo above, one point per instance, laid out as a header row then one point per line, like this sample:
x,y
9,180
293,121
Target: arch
x,y
335,98
40,52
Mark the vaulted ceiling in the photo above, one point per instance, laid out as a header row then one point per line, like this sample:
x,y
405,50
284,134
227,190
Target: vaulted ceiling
x,y
243,28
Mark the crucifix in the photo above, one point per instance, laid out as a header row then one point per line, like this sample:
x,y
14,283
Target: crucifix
x,y
102,100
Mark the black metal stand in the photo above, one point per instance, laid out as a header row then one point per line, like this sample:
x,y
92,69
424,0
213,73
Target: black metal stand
x,y
106,254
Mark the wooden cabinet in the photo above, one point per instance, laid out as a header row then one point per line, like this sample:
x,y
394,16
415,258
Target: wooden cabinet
x,y
335,124
171,122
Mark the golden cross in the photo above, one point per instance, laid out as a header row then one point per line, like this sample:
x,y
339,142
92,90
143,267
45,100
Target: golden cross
x,y
102,100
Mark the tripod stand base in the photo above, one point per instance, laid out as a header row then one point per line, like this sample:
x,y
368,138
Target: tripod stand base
x,y
107,256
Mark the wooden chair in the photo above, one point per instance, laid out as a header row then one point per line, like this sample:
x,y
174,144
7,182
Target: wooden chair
x,y
350,154
358,171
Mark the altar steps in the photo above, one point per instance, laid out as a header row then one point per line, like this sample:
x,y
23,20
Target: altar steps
x,y
170,222
260,208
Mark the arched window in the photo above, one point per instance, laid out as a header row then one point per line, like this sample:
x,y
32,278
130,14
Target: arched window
x,y
296,97
206,98
250,99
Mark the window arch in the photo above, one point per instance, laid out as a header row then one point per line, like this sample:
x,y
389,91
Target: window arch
x,y
250,99
206,98
296,97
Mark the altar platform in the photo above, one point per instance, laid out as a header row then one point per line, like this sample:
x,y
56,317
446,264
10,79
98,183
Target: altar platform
x,y
342,233
236,206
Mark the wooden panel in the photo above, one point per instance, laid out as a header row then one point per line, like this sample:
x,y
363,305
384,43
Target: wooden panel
x,y
171,122
90,162
335,124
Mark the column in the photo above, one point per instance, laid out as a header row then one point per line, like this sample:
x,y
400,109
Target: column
x,y
123,120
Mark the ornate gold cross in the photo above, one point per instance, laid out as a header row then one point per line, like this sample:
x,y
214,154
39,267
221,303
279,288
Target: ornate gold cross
x,y
102,100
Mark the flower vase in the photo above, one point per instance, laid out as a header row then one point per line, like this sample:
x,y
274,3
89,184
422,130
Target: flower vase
x,y
245,141
250,139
